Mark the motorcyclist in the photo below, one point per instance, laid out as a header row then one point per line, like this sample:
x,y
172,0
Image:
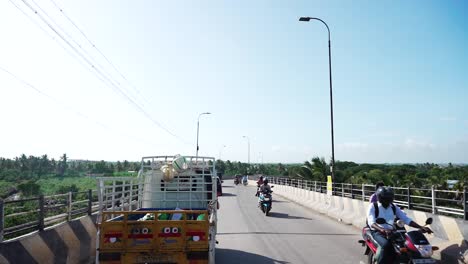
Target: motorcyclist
x,y
386,209
259,184
265,187
244,179
237,179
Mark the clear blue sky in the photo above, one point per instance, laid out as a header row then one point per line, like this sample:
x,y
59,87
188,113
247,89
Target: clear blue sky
x,y
399,76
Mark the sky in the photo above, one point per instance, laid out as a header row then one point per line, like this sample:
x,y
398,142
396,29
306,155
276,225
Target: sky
x,y
399,69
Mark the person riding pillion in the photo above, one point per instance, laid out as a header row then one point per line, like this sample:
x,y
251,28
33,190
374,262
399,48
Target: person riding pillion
x,y
259,183
265,187
386,209
373,197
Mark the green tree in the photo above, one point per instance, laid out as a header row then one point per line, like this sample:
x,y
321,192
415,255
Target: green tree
x,y
29,188
316,170
62,166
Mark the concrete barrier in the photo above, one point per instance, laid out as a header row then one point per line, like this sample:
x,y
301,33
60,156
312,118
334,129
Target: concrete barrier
x,y
302,196
360,209
327,205
337,208
317,200
323,202
318,203
70,242
311,200
348,212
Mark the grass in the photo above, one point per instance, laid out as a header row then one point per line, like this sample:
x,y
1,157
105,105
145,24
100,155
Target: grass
x,y
53,185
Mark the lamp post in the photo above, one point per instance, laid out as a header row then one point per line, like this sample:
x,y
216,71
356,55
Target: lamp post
x,y
198,128
221,150
248,148
307,19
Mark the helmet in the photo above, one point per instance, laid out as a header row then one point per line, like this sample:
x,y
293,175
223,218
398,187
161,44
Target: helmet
x,y
265,181
385,195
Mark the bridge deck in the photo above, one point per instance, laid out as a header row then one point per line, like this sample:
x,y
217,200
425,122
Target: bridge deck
x,y
291,234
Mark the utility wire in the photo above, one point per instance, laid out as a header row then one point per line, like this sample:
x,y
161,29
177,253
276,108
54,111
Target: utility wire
x,y
68,108
114,86
94,62
32,20
52,37
98,50
109,82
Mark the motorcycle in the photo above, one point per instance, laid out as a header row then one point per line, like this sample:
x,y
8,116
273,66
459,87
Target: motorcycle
x,y
264,201
245,181
236,181
409,247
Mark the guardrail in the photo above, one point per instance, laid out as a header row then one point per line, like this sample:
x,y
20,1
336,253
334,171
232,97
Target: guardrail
x,y
443,202
23,216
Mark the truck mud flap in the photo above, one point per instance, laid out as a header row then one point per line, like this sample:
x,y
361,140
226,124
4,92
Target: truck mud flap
x,y
110,256
201,255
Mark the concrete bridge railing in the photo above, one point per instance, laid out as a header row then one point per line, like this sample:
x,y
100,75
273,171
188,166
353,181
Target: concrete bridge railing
x,y
450,234
71,242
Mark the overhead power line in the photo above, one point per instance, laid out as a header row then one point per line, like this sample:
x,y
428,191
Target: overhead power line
x,y
100,74
97,49
68,108
89,56
32,20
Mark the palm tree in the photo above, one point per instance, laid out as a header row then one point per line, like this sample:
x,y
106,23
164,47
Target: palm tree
x,y
316,170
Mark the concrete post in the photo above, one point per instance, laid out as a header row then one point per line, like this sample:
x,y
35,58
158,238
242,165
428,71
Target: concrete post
x,y
363,193
41,213
465,206
408,197
434,209
69,203
2,216
90,202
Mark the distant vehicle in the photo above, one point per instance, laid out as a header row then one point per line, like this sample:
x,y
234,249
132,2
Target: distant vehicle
x,y
245,180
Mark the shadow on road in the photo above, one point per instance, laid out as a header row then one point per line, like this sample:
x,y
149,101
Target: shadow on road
x,y
227,256
284,233
227,186
283,215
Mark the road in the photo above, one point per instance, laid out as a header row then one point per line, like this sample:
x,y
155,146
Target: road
x,y
291,234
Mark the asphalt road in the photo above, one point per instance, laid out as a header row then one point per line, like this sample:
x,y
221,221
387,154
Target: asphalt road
x,y
291,234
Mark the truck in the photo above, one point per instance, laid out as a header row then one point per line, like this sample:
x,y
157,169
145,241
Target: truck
x,y
167,214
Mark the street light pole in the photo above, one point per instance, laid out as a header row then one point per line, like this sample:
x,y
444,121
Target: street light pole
x,y
221,150
198,129
248,146
307,19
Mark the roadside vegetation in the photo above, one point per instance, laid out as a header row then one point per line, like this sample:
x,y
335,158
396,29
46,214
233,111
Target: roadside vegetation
x,y
447,176
28,176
